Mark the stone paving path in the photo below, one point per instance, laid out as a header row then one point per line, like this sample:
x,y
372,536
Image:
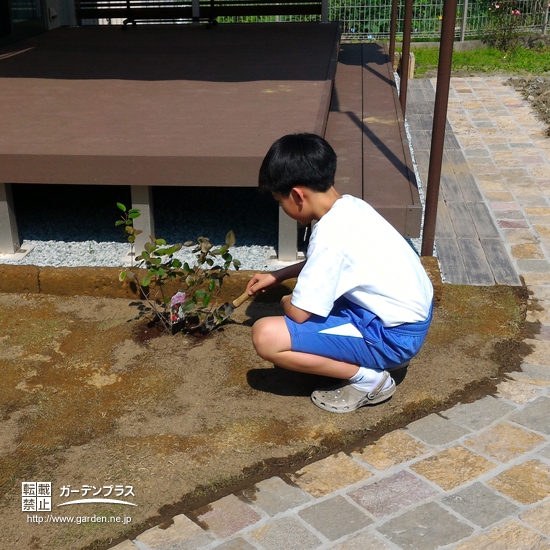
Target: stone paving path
x,y
477,475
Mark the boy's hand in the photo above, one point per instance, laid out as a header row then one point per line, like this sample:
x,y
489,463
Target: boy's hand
x,y
260,282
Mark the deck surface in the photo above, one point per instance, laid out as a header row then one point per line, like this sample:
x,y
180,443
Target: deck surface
x,y
178,105
366,129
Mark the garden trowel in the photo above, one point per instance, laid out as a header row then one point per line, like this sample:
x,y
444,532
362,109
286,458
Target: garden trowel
x,y
224,312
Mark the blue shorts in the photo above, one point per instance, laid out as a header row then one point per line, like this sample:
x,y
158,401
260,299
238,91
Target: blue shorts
x,y
355,335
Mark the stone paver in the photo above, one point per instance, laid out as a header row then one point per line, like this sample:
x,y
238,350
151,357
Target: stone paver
x,y
505,537
526,483
226,516
285,533
391,449
436,430
329,475
425,528
335,518
179,534
476,476
480,505
392,494
504,442
453,467
274,496
535,415
479,414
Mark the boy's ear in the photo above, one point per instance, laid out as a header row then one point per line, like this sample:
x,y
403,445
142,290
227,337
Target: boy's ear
x,y
297,194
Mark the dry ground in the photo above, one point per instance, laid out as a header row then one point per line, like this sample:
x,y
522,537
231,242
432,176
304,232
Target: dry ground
x,y
183,420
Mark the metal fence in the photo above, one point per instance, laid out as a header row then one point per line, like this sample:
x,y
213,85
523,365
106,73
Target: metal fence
x,y
370,19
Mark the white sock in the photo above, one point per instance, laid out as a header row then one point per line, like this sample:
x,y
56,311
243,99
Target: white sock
x,y
367,379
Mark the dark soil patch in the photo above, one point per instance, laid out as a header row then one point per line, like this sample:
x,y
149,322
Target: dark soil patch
x,y
536,90
185,420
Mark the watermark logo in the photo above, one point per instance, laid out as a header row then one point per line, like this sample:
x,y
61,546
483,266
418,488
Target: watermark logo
x,y
92,494
36,496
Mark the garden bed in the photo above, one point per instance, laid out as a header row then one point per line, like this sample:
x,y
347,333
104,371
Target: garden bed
x,y
85,400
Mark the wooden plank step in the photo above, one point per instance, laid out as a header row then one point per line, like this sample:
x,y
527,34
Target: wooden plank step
x,y
366,129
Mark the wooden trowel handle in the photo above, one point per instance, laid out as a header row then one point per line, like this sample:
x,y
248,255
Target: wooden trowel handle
x,y
241,299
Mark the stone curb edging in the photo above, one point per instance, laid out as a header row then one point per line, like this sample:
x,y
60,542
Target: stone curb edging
x,y
103,282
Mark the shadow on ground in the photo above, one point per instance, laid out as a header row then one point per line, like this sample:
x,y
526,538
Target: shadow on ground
x,y
184,420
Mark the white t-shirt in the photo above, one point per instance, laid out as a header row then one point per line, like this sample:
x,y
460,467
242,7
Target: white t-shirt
x,y
354,252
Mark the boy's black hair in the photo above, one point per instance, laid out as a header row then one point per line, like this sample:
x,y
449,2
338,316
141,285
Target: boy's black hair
x,y
298,159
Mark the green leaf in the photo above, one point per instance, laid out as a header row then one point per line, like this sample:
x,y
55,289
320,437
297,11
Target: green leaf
x,y
188,305
160,242
134,215
236,263
122,276
230,239
212,286
210,261
206,300
201,293
132,239
176,263
121,206
120,222
129,229
146,281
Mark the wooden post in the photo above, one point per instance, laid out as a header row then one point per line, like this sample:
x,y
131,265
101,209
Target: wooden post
x,y
288,238
9,237
440,119
142,199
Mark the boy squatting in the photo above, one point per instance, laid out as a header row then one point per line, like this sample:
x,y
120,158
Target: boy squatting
x,y
362,304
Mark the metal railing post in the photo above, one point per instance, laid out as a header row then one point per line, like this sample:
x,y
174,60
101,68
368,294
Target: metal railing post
x,y
393,29
440,119
196,10
545,19
405,56
464,21
324,11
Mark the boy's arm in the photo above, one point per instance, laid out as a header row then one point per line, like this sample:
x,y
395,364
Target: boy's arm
x,y
262,281
295,313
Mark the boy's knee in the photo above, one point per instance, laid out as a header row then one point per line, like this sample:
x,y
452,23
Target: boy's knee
x,y
260,337
270,337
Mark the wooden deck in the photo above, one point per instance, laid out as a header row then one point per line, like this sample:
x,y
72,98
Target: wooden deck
x,y
188,106
366,128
